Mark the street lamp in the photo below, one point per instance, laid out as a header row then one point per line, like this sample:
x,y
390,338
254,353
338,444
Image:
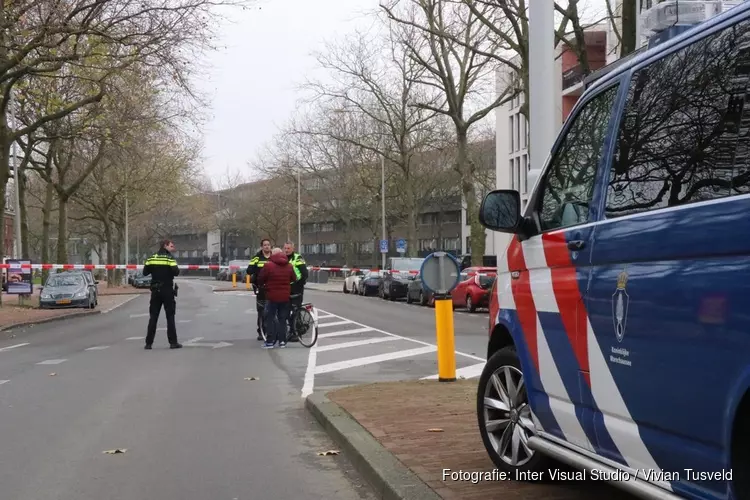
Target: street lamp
x,y
382,203
299,211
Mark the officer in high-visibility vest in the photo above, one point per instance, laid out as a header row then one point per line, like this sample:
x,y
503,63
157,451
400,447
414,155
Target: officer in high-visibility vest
x,y
253,269
163,269
298,287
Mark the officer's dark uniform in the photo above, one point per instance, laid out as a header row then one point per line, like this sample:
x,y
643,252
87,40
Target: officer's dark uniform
x,y
163,268
298,287
253,269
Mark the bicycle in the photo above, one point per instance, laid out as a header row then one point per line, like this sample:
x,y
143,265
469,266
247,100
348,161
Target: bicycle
x,y
305,320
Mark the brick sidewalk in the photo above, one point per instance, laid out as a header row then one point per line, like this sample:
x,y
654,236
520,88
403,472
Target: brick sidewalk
x,y
399,414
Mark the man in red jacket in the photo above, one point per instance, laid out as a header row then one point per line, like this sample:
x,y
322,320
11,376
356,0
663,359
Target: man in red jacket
x,y
276,278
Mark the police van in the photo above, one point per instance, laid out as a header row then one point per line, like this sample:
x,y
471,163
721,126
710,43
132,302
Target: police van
x,y
620,318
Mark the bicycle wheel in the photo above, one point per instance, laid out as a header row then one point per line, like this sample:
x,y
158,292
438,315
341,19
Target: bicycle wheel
x,y
260,309
304,326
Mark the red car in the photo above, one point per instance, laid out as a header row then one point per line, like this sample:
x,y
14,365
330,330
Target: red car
x,y
474,289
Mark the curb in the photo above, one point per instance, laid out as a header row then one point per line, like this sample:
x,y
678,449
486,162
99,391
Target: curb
x,y
325,290
390,479
50,320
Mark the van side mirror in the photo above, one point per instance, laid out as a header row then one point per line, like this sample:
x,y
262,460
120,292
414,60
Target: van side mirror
x,y
501,211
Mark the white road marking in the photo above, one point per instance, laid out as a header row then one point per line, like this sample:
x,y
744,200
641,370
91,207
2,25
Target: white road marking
x,y
12,347
326,316
142,315
344,332
356,343
120,305
307,387
196,339
200,315
135,338
335,323
4,382
52,362
368,360
251,311
466,372
184,320
98,348
470,356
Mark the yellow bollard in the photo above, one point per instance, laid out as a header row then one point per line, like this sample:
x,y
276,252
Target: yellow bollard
x,y
247,282
446,346
234,280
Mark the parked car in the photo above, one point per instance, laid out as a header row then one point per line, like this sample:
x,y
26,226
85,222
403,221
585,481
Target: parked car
x,y
142,281
396,280
69,289
417,293
370,283
473,291
618,333
352,280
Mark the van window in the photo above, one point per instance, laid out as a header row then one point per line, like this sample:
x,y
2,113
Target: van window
x,y
684,132
569,180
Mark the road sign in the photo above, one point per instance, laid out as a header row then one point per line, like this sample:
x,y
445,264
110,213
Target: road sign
x,y
440,273
401,246
383,246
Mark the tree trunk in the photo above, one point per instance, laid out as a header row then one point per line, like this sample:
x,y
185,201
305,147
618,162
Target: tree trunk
x,y
110,253
62,229
466,167
628,27
24,213
49,195
117,238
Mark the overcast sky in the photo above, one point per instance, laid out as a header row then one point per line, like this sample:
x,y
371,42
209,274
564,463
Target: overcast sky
x,y
253,82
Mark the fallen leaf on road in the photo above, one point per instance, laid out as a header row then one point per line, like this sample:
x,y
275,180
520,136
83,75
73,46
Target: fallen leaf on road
x,y
115,451
435,430
252,378
329,452
52,374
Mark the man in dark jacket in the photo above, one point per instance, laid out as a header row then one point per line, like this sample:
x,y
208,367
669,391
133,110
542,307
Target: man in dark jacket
x,y
163,269
298,287
255,266
276,279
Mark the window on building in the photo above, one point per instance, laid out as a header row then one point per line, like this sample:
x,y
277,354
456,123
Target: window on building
x,y
517,131
512,175
367,246
310,248
330,248
685,135
468,244
510,132
451,244
327,227
428,219
308,228
522,132
517,168
453,217
428,244
525,170
569,182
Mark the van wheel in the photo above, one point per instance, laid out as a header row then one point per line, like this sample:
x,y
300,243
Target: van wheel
x,y
504,415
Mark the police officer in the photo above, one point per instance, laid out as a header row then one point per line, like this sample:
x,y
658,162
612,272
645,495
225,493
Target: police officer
x,y
298,287
163,269
253,269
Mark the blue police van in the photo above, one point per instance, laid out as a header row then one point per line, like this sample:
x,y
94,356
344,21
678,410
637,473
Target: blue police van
x,y
620,319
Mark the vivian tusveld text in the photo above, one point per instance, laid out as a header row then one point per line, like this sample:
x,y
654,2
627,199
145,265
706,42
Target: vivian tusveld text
x,y
650,475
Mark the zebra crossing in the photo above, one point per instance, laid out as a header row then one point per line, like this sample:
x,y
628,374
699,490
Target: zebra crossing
x,y
348,352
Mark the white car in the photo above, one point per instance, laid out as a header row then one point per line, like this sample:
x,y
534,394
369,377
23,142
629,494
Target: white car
x,y
351,282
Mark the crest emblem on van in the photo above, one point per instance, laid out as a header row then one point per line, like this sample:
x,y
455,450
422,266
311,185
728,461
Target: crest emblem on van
x,y
620,303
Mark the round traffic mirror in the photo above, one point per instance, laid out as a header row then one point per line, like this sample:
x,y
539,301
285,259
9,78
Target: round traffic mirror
x,y
440,273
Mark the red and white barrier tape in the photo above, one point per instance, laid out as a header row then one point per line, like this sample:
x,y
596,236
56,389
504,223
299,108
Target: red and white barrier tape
x,y
190,267
135,267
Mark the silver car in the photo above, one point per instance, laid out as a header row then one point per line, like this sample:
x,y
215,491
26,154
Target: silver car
x,y
69,289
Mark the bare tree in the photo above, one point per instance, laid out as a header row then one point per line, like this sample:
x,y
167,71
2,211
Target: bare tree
x,y
376,84
461,71
47,39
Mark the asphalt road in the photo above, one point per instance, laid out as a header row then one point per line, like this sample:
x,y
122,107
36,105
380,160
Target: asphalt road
x,y
192,426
